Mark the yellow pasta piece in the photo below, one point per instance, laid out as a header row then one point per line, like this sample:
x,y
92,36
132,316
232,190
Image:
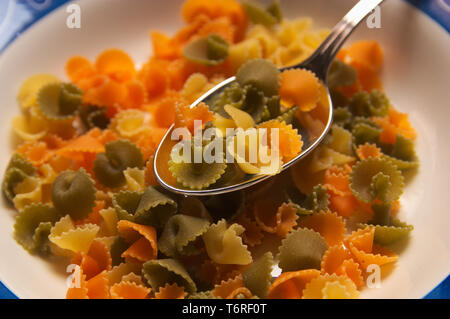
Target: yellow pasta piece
x,y
130,123
28,192
28,127
77,239
195,86
241,118
135,178
243,51
224,244
330,287
31,86
110,220
266,39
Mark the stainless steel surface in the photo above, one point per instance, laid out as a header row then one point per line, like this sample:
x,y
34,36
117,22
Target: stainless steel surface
x,y
319,63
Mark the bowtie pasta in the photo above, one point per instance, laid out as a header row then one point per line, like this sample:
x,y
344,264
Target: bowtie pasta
x,y
82,179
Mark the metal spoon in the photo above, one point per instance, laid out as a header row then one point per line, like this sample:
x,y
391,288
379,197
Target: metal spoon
x,y
319,63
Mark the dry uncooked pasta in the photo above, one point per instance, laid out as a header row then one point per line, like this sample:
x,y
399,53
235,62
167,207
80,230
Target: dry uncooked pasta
x,y
82,181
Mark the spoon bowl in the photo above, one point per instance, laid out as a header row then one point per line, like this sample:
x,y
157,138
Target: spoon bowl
x,y
318,63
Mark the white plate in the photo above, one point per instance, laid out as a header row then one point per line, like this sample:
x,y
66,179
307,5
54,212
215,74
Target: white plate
x,y
416,77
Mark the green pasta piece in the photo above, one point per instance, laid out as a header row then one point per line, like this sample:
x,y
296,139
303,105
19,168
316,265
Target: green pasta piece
x,y
41,240
196,175
381,214
386,235
60,101
119,155
148,208
73,193
93,116
155,208
402,154
211,50
374,103
179,232
274,109
268,17
261,74
12,178
288,116
341,74
16,172
374,178
126,204
364,133
192,206
225,206
317,201
203,295
338,99
160,272
342,116
258,276
275,10
247,98
118,247
32,227
20,162
301,249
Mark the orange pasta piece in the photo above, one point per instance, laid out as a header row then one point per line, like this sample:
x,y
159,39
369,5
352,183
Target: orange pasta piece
x,y
300,87
352,270
155,78
171,292
78,68
338,260
36,152
164,111
368,150
94,217
222,27
290,142
366,53
333,258
227,288
101,90
80,292
163,46
395,123
253,234
129,290
143,240
98,287
216,9
337,180
265,212
96,260
116,64
136,95
329,225
344,206
187,116
290,285
365,252
286,219
87,143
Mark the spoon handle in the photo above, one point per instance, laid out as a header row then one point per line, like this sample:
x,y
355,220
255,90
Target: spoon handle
x,y
320,61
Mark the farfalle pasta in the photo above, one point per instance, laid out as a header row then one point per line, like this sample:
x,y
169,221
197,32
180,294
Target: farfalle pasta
x,y
83,184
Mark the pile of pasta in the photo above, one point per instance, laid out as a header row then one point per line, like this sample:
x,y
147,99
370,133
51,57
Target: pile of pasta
x,y
82,180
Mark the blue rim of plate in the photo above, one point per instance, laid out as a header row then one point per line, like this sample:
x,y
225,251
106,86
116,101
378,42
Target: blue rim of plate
x,y
40,8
